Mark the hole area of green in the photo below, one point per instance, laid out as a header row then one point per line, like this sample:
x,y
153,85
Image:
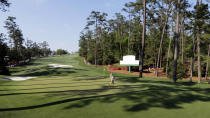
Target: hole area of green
x,y
85,92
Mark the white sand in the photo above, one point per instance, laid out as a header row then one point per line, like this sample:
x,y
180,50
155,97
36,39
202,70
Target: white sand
x,y
16,78
60,66
19,78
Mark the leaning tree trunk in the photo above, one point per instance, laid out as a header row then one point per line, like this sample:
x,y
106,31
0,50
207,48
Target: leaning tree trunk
x,y
161,41
159,52
176,42
207,64
143,43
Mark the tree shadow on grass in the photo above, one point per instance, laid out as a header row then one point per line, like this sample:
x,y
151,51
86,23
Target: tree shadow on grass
x,y
47,104
154,81
23,67
46,71
33,64
91,78
143,96
54,83
45,88
153,97
139,98
64,92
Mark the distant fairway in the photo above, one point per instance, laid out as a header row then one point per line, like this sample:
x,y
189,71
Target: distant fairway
x,y
84,92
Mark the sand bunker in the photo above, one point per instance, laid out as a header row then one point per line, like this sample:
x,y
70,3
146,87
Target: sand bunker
x,y
19,78
60,66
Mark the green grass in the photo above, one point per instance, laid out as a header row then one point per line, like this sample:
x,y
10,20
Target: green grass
x,y
84,92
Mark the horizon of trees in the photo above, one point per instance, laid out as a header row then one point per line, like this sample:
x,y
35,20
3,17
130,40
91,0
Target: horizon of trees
x,y
3,46
14,48
61,52
167,34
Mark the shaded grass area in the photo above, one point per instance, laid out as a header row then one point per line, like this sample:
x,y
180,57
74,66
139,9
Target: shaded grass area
x,y
85,91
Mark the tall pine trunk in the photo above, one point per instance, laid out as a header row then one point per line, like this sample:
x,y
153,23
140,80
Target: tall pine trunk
x,y
183,18
207,64
182,40
119,38
192,60
177,35
129,37
199,56
122,37
167,63
161,58
141,61
103,49
96,46
198,49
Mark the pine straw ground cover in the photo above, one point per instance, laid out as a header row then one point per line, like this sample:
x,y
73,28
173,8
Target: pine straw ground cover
x,y
85,92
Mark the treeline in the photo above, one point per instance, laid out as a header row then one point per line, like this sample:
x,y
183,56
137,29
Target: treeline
x,y
14,48
61,52
169,34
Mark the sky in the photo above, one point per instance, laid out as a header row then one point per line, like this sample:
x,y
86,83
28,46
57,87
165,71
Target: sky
x,y
59,22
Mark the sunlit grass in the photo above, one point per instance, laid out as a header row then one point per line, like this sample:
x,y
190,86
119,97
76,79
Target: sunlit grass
x,y
85,92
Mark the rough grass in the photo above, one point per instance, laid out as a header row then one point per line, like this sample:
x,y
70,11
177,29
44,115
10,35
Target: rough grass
x,y
85,92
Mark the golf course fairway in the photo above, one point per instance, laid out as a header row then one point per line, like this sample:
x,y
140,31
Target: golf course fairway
x,y
84,91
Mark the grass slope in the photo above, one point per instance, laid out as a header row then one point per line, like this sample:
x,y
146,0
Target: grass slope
x,y
84,92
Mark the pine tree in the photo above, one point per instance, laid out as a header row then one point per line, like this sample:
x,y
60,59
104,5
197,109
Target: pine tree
x,y
177,35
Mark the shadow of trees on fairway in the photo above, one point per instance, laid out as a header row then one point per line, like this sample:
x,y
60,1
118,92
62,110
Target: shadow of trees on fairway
x,y
155,96
148,94
155,81
44,88
47,71
91,78
54,83
23,67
